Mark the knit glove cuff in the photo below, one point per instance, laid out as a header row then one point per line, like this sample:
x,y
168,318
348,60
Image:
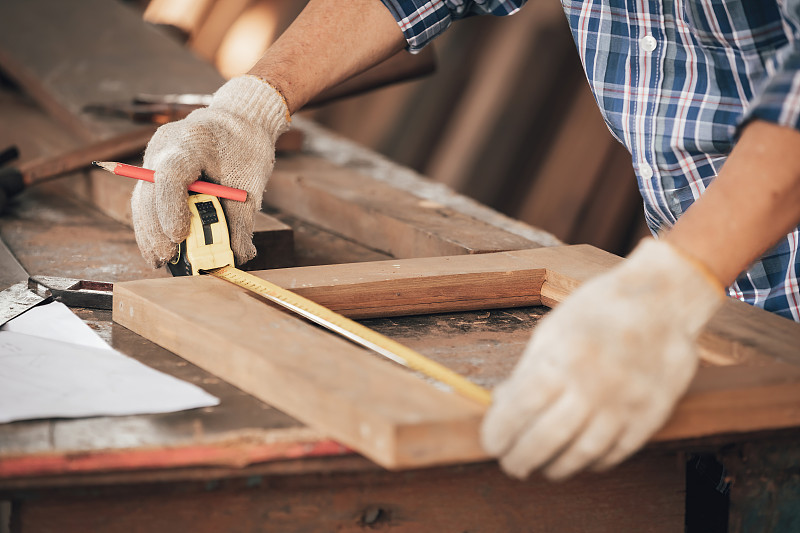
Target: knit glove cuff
x,y
256,102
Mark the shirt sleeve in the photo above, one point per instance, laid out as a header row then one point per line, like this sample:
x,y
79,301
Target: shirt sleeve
x,y
421,20
778,100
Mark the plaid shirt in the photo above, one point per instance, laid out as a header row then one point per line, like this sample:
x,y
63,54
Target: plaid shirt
x,y
674,81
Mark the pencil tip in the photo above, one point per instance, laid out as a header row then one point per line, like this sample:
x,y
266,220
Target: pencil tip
x,y
106,165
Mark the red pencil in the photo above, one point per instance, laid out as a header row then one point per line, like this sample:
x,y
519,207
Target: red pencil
x,y
204,187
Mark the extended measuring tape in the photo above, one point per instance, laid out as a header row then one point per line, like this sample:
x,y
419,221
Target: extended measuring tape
x,y
207,250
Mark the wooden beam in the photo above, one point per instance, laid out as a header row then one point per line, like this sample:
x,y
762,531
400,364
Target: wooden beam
x,y
445,284
567,179
498,70
385,412
65,60
377,214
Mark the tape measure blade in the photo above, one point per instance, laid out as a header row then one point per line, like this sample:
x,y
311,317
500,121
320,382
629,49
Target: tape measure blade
x,y
354,331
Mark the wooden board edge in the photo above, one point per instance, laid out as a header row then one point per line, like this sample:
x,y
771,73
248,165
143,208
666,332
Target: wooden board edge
x,y
370,429
416,286
748,401
276,444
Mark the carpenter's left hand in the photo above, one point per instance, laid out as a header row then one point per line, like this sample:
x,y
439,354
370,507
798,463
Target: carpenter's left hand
x,y
604,370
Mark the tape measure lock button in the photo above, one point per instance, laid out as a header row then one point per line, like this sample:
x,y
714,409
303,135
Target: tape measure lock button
x,y
208,244
207,212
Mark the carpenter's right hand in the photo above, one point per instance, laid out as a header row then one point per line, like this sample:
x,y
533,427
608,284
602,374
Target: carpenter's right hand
x,y
232,142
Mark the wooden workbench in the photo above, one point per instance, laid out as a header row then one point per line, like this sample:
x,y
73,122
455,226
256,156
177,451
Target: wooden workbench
x,y
252,462
249,461
245,466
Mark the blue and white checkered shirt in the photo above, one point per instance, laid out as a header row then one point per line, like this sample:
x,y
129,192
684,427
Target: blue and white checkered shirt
x,y
674,80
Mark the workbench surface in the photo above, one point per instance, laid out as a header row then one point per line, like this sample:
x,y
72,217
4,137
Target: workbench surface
x,y
243,457
245,466
242,451
85,244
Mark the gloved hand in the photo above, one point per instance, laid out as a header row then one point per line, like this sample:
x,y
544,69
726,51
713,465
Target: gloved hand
x,y
232,142
604,369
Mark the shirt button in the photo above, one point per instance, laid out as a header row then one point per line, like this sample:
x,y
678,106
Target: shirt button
x,y
645,171
648,43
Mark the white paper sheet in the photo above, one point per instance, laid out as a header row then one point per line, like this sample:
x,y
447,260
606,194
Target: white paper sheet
x,y
43,377
55,321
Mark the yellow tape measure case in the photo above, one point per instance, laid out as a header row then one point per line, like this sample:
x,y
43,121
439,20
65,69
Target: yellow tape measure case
x,y
208,244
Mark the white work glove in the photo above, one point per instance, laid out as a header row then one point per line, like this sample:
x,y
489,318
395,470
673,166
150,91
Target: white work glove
x,y
232,142
605,368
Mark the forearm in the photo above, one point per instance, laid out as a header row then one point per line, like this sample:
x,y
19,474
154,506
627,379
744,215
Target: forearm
x,y
328,42
753,202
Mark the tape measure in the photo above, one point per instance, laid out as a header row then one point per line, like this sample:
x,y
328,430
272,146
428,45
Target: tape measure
x,y
207,250
208,244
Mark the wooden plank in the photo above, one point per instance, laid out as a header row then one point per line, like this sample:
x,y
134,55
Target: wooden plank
x,y
315,246
563,187
331,385
65,60
498,69
377,214
443,284
305,372
737,335
614,212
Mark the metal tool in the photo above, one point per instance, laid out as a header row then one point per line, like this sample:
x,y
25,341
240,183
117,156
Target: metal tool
x,y
15,297
157,113
198,100
21,292
74,292
203,253
24,295
162,108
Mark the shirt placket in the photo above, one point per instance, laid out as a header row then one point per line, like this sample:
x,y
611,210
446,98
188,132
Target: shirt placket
x,y
646,49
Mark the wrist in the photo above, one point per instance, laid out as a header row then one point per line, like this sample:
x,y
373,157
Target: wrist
x,y
682,278
255,101
700,267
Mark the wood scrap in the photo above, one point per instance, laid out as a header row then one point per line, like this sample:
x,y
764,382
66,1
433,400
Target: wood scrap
x,y
377,214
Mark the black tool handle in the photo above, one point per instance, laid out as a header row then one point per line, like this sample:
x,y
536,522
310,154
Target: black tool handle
x,y
11,184
9,154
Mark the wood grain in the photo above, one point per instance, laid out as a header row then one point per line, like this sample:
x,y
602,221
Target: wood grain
x,y
377,214
302,370
341,390
644,495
